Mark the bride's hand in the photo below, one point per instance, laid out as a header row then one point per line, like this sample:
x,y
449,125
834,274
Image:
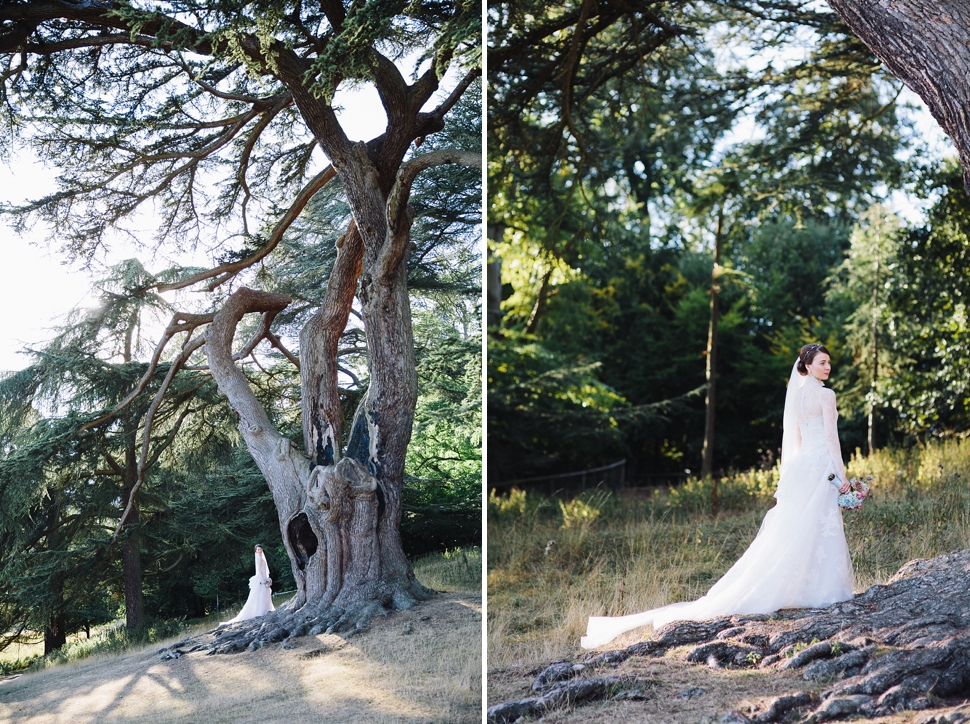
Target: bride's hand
x,y
845,488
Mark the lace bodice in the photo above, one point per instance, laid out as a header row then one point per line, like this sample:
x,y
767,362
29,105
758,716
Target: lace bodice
x,y
818,422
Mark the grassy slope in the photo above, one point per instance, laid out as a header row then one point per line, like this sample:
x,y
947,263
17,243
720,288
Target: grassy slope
x,y
613,555
383,674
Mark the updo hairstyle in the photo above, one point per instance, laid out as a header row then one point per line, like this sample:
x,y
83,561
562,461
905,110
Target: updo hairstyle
x,y
807,354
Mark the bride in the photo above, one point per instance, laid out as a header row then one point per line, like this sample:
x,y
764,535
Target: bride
x,y
260,599
799,559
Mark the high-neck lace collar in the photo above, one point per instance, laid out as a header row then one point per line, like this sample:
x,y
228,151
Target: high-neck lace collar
x,y
816,380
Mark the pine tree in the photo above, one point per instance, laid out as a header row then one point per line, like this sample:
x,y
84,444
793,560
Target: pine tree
x,y
215,113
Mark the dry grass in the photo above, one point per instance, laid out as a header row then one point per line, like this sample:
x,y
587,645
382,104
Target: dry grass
x,y
410,667
611,555
381,675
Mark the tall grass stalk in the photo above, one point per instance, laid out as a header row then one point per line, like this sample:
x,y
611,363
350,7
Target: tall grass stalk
x,y
458,570
552,564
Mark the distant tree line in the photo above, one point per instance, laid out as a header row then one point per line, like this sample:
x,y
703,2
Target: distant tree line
x,y
625,146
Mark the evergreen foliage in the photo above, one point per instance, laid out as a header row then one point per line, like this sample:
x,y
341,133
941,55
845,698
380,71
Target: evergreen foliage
x,y
213,117
622,140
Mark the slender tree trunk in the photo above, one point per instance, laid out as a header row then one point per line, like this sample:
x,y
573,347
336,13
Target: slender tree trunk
x,y
875,356
926,44
539,308
131,549
55,635
707,465
493,286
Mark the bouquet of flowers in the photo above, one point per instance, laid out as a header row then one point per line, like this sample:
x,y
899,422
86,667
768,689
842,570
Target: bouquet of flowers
x,y
858,490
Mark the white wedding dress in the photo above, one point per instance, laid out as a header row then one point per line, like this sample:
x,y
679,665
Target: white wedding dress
x,y
260,599
799,559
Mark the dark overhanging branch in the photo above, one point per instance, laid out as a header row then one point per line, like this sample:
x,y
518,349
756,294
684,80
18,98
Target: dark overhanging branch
x,y
91,41
334,10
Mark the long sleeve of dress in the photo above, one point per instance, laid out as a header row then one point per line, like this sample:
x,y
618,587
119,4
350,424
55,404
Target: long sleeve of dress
x,y
830,417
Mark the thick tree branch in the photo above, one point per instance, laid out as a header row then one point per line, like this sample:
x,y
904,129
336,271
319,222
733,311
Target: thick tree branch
x,y
232,382
398,217
334,10
391,87
319,340
926,44
101,15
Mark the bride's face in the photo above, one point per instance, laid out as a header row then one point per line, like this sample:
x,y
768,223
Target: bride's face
x,y
821,366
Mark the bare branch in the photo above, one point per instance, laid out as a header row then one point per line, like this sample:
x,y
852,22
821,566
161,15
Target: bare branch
x,y
227,271
166,570
398,218
187,349
275,341
457,93
181,322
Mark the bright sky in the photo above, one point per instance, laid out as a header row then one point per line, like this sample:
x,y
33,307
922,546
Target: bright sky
x,y
37,287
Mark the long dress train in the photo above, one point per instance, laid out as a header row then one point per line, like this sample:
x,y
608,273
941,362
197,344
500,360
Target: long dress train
x,y
260,599
799,559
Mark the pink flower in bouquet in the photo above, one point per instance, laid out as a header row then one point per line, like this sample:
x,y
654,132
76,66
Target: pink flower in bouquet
x,y
858,491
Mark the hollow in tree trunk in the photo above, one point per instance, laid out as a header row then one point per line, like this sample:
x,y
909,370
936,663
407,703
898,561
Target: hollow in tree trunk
x,y
339,511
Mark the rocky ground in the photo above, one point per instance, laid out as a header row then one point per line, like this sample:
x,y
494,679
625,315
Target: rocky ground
x,y
896,653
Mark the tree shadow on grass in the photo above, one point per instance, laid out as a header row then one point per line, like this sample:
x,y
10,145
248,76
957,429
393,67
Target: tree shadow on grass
x,y
411,667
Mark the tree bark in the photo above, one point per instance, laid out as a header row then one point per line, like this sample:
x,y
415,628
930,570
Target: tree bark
x,y
339,520
55,635
131,569
131,572
870,437
322,416
926,44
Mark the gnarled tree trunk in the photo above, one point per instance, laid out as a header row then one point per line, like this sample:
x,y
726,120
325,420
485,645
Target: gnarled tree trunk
x,y
339,513
344,562
926,44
